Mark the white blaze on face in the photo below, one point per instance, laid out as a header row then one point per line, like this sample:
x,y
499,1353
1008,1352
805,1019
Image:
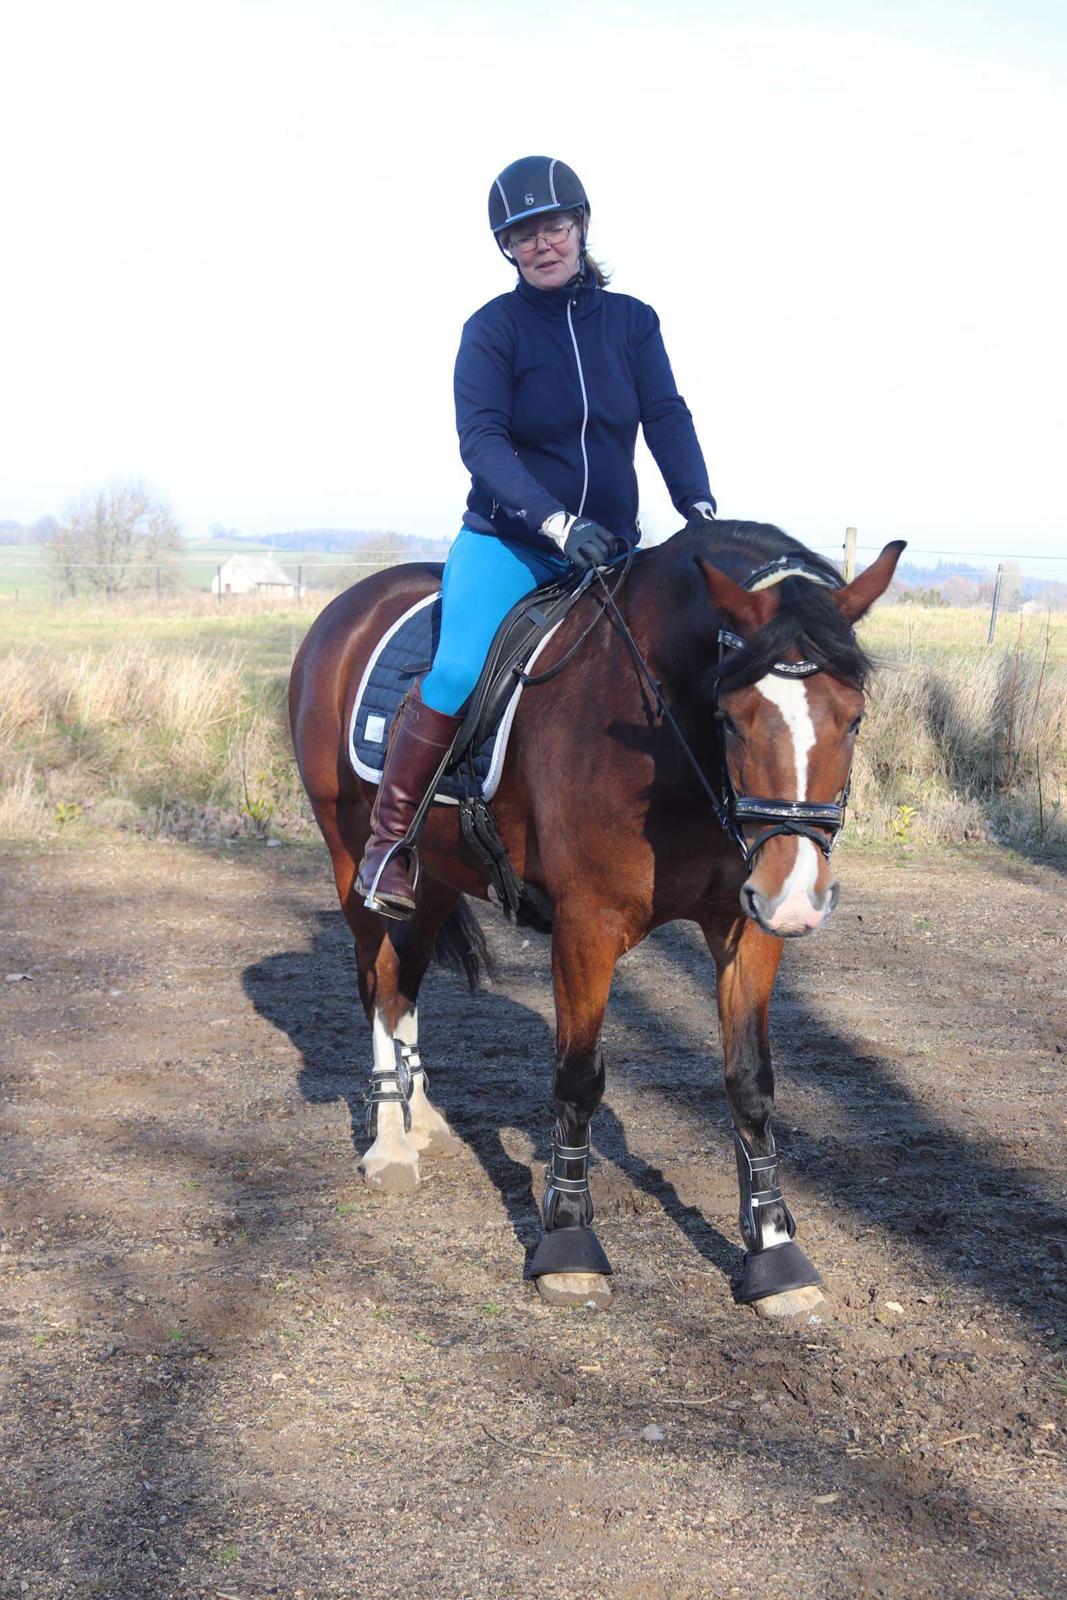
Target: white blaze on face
x,y
789,696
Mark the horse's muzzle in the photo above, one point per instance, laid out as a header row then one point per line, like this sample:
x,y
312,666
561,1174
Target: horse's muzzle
x,y
792,913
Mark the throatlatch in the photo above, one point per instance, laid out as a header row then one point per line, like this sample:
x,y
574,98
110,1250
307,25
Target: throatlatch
x,y
768,1268
571,1246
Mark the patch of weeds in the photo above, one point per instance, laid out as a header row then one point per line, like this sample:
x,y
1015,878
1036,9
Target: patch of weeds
x,y
190,1183
490,1309
176,1336
67,811
48,1335
345,1207
903,818
225,1552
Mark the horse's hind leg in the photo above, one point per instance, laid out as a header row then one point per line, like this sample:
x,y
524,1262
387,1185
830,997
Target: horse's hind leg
x,y
429,1132
391,961
779,1280
569,1266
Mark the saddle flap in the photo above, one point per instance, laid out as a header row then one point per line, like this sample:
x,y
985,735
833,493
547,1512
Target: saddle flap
x,y
528,622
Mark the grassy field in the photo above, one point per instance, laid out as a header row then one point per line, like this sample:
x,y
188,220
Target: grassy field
x,y
169,719
27,577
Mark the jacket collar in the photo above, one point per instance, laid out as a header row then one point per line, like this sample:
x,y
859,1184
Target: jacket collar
x,y
553,303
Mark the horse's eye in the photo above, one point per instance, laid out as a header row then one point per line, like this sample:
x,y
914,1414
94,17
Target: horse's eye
x,y
727,721
854,725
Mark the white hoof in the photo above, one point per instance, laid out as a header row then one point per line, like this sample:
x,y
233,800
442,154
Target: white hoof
x,y
575,1289
792,1303
391,1165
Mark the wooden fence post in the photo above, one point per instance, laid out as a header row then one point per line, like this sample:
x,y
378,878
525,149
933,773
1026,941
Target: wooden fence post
x,y
850,554
996,603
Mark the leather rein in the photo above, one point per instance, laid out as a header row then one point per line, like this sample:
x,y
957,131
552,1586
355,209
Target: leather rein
x,y
820,822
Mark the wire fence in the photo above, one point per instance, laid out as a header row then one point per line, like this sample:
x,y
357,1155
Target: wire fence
x,y
204,571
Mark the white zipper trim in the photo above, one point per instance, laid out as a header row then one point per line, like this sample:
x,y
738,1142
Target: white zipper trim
x,y
585,406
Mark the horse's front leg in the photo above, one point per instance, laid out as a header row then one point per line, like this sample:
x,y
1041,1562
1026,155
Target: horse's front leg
x,y
569,1265
778,1280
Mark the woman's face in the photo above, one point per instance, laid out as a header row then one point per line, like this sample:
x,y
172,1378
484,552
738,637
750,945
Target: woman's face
x,y
545,264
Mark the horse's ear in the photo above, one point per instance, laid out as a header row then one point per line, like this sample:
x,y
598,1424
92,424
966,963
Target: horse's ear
x,y
859,596
746,611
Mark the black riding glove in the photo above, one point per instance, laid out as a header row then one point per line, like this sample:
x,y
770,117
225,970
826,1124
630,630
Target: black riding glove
x,y
588,544
584,543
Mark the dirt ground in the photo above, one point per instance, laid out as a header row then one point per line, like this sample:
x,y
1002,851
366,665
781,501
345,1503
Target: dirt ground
x,y
229,1370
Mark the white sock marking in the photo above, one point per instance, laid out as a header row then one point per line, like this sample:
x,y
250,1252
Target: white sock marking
x,y
392,1145
384,1051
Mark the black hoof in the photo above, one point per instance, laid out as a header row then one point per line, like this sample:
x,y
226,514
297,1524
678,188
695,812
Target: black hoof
x,y
784,1266
568,1250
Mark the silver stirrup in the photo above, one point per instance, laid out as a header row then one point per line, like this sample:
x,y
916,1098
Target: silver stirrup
x,y
382,907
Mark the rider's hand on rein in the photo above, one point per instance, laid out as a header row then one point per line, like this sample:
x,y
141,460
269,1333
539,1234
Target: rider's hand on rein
x,y
584,543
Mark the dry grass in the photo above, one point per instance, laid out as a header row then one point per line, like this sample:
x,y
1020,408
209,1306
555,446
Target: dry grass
x,y
182,730
955,750
161,741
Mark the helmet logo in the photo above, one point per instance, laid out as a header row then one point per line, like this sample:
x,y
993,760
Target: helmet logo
x,y
529,199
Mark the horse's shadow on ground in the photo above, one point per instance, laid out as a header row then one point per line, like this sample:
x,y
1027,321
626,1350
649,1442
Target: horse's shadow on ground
x,y
497,1076
482,1089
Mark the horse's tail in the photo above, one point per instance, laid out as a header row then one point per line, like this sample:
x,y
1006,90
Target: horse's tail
x,y
460,945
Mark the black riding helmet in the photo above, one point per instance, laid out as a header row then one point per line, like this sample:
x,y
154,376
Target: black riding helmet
x,y
530,186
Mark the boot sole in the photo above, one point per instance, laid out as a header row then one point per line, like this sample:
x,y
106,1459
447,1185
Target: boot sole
x,y
390,906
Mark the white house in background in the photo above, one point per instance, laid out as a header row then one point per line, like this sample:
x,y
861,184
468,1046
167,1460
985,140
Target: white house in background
x,y
253,575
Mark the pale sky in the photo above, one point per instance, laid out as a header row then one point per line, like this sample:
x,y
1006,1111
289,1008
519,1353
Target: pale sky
x,y
241,238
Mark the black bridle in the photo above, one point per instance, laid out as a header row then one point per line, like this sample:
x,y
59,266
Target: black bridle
x,y
820,822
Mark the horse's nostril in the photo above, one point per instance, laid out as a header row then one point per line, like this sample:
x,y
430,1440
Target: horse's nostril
x,y
751,902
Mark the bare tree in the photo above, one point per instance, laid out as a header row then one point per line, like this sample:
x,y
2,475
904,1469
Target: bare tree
x,y
116,539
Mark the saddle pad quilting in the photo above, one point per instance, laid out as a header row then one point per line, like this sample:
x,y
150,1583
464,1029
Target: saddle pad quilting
x,y
411,643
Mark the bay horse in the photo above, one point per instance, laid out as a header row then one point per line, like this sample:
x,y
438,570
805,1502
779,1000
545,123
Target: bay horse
x,y
691,763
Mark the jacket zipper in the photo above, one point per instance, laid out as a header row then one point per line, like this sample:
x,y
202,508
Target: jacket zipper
x,y
585,408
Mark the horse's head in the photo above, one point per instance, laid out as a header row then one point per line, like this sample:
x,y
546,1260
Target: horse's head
x,y
788,737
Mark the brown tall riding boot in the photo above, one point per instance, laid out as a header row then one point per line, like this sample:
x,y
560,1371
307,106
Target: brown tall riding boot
x,y
418,740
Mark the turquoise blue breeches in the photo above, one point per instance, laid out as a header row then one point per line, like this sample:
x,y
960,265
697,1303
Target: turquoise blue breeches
x,y
484,577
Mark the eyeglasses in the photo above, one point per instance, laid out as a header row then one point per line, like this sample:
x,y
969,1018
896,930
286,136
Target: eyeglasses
x,y
553,233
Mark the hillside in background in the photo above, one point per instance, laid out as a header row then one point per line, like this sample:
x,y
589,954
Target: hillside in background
x,y
26,563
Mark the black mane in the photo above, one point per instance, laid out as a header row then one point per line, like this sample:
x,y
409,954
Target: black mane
x,y
806,619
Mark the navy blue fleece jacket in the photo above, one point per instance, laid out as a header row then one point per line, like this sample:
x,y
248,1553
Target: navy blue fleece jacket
x,y
551,385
